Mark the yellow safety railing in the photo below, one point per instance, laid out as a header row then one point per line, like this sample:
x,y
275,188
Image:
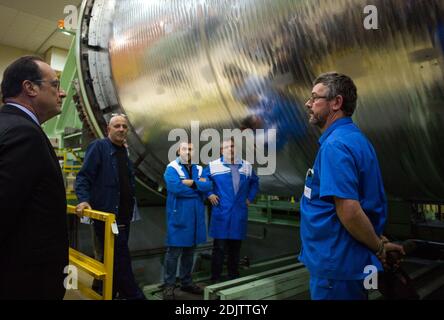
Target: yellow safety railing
x,y
70,171
74,169
101,271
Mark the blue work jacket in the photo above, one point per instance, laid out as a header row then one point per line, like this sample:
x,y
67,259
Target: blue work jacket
x,y
230,217
185,205
346,167
98,180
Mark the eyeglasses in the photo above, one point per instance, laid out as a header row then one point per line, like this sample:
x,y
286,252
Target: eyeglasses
x,y
315,98
53,83
118,115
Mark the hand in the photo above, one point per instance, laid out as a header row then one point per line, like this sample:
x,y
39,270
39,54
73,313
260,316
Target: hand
x,y
391,256
188,182
80,207
214,199
202,180
247,202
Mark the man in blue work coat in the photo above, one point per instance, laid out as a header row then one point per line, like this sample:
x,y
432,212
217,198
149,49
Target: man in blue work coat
x,y
343,207
235,185
106,183
186,228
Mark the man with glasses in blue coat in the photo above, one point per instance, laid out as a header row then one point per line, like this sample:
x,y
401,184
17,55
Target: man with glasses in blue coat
x,y
235,185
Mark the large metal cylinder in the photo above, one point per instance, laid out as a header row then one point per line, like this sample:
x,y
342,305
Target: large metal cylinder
x,y
167,63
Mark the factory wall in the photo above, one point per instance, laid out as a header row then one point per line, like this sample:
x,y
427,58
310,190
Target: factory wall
x,y
9,54
56,57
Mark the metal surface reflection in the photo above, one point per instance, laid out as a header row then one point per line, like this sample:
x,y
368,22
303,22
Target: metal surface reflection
x,y
249,64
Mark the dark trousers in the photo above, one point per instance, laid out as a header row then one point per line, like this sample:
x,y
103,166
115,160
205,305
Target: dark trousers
x,y
232,249
34,281
186,265
124,283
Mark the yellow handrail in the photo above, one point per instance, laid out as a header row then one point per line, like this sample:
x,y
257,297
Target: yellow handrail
x,y
70,168
97,269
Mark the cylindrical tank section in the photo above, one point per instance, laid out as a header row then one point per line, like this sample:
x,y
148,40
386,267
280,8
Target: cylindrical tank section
x,y
168,63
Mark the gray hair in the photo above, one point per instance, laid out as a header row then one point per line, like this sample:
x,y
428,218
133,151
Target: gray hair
x,y
340,84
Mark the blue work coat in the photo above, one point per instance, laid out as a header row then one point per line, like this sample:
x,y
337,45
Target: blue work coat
x,y
98,180
230,217
185,205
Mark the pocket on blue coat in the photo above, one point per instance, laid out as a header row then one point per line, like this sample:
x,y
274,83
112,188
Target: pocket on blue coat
x,y
177,216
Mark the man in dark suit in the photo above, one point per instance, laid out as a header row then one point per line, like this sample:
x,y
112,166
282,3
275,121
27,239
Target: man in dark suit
x,y
33,229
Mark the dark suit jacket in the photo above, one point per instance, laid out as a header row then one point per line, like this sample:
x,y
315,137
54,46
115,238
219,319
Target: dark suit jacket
x,y
33,224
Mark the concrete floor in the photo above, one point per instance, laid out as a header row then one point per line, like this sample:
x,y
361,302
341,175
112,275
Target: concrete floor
x,y
76,294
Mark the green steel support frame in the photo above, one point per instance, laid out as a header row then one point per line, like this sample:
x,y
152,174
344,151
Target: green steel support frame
x,y
69,118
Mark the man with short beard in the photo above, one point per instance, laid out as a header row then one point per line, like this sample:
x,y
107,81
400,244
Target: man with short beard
x,y
187,186
343,207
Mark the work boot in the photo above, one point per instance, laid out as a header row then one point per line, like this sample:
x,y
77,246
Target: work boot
x,y
168,293
192,288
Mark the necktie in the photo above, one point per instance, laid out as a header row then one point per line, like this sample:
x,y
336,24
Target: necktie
x,y
235,177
